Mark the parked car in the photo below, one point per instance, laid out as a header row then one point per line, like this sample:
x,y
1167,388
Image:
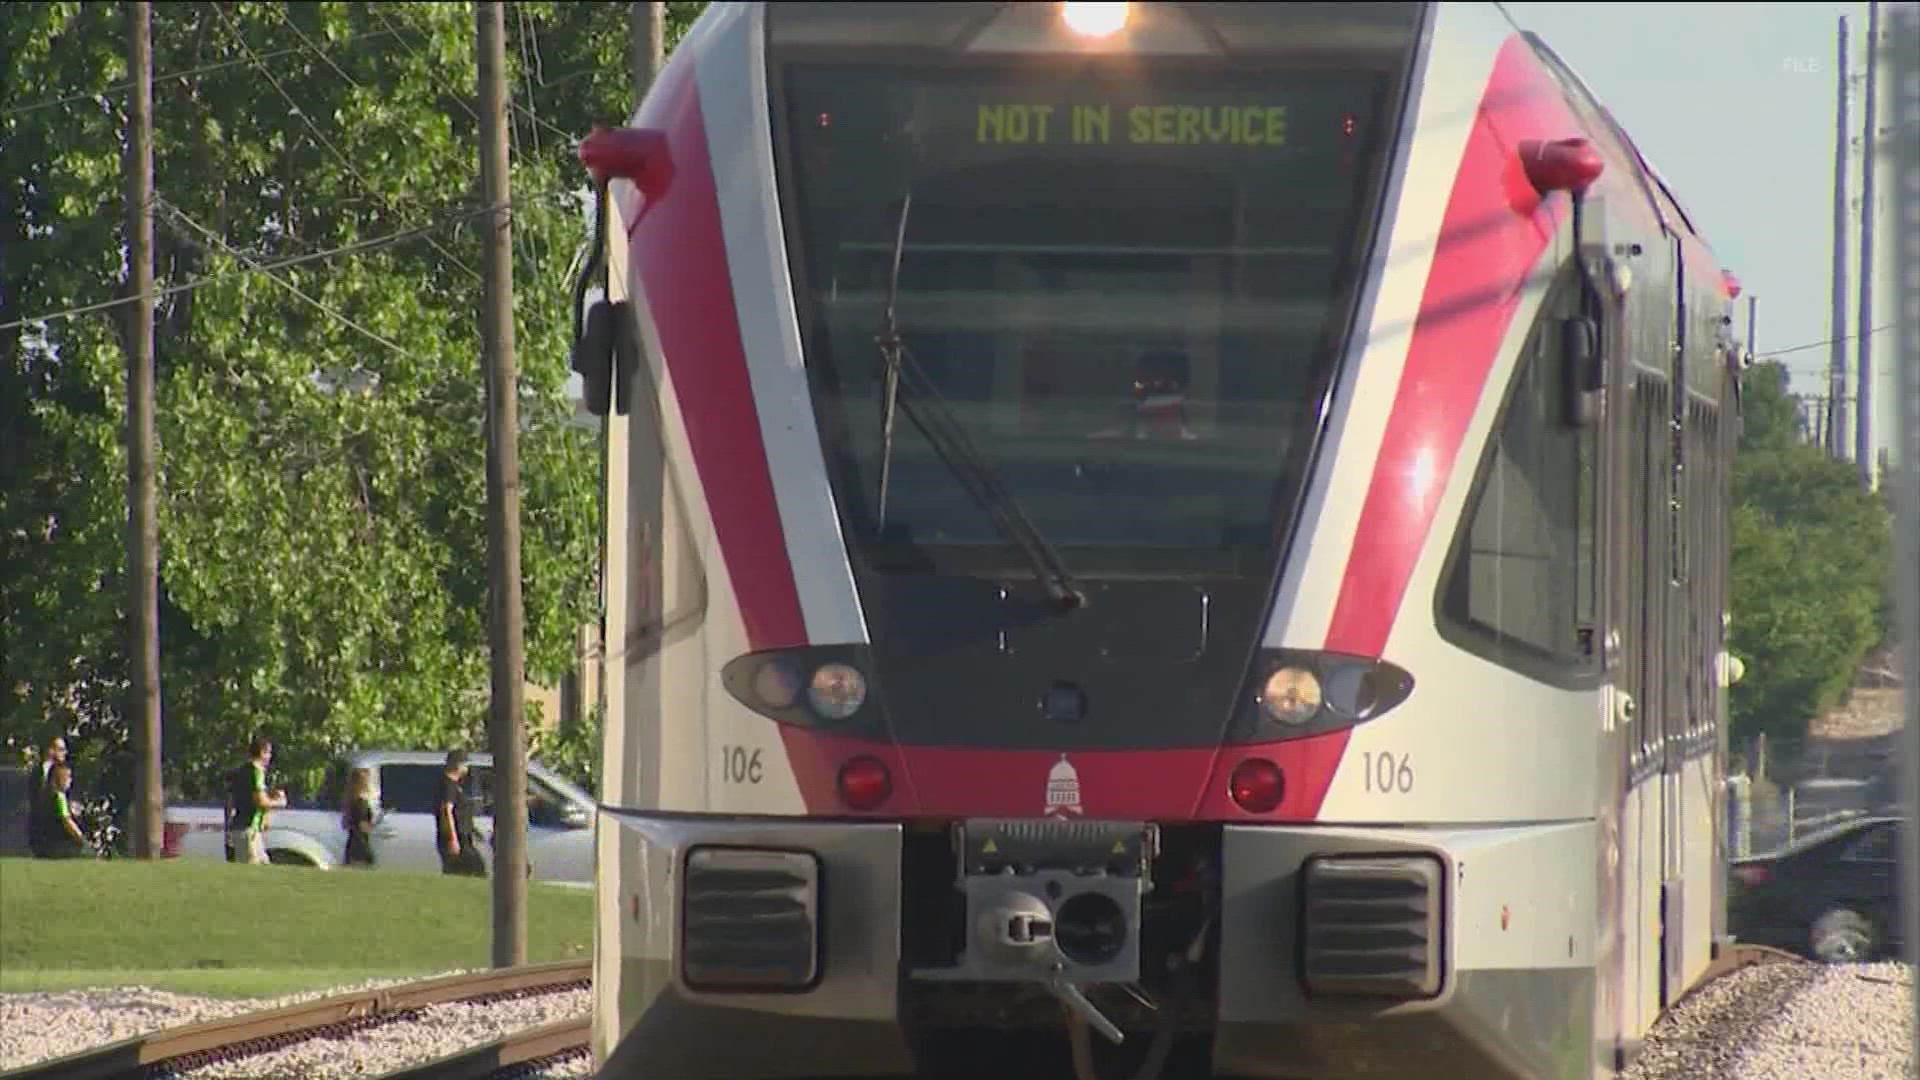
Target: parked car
x,y
1830,895
406,785
16,802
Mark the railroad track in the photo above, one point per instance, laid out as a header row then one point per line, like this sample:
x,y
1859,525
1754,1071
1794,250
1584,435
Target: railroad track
x,y
523,1053
520,1054
174,1050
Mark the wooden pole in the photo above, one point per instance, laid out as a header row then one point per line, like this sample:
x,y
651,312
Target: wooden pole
x,y
1836,441
143,527
647,22
1863,398
507,722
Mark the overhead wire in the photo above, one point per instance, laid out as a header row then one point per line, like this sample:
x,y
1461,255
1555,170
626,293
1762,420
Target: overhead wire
x,y
529,63
1820,344
246,260
532,115
204,69
448,217
257,60
352,170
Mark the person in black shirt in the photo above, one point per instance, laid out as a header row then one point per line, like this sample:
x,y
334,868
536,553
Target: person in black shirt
x,y
357,818
60,836
453,821
38,825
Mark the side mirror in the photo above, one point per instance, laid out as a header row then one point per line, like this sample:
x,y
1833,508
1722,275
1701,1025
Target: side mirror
x,y
606,356
593,357
1584,374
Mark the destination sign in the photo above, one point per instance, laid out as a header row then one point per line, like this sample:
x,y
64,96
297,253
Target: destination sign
x,y
1155,124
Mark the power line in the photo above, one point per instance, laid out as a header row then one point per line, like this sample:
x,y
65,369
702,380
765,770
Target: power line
x,y
204,69
332,312
373,189
1817,344
188,286
432,75
460,97
449,217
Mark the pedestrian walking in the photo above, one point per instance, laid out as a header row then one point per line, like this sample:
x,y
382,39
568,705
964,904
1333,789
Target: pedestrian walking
x,y
453,821
250,803
60,836
357,818
38,827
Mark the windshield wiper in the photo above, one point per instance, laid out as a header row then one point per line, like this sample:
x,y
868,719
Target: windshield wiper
x,y
907,385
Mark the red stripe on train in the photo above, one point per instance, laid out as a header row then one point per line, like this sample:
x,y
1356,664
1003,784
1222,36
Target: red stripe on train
x,y
679,251
1492,235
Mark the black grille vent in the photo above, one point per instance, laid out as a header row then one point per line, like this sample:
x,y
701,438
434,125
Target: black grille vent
x,y
1372,926
749,920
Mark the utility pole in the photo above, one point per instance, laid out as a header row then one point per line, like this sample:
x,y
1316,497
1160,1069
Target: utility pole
x,y
507,723
1863,401
647,23
1753,349
143,525
1837,363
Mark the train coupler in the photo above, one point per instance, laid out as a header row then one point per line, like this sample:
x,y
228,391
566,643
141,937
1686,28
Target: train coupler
x,y
1053,902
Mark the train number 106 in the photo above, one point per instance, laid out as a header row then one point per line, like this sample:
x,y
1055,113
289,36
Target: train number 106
x,y
741,765
1386,773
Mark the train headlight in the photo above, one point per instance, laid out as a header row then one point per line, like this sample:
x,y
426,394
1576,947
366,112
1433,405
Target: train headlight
x,y
777,685
1291,696
808,686
836,691
1094,19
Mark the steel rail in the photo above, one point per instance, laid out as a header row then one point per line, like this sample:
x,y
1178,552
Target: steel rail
x,y
522,1052
193,1045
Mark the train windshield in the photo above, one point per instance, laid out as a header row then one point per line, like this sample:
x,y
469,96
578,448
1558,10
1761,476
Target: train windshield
x,y
1127,282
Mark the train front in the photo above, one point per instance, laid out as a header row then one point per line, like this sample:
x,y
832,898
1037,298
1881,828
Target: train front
x,y
988,355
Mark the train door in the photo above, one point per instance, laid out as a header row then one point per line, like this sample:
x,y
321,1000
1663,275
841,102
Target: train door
x,y
1642,497
1673,642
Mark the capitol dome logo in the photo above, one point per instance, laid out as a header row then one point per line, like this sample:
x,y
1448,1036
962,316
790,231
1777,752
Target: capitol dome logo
x,y
1063,789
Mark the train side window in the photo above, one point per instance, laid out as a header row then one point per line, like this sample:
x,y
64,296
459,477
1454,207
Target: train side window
x,y
1521,584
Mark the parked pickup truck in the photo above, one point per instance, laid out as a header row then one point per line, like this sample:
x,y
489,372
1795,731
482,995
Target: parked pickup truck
x,y
405,787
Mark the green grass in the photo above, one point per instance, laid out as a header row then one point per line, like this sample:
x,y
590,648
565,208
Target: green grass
x,y
243,931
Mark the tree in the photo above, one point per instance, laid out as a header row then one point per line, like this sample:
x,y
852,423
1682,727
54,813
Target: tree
x,y
320,407
1769,414
1809,566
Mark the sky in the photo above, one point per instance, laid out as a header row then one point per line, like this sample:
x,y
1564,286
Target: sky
x,y
1734,104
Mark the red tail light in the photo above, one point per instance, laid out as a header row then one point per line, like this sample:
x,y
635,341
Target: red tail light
x,y
1256,785
865,783
170,835
1752,876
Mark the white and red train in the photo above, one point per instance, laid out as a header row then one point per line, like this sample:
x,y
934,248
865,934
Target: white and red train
x,y
1197,527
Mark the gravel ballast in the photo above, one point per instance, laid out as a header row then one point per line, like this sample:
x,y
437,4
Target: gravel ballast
x,y
39,1027
1788,1022
1770,1022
